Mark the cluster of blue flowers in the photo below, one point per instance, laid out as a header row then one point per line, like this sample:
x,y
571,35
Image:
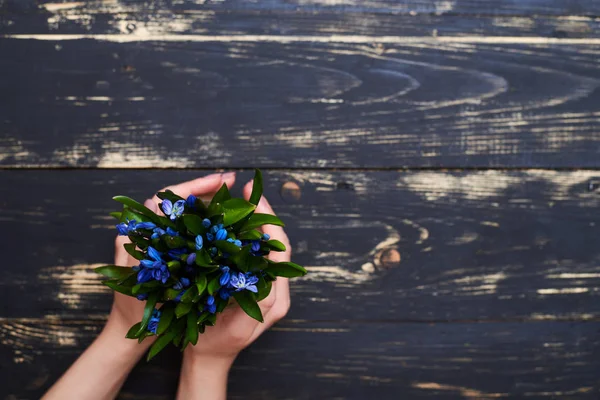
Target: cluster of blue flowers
x,y
155,267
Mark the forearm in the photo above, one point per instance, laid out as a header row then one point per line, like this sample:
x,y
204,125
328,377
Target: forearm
x,y
203,378
100,371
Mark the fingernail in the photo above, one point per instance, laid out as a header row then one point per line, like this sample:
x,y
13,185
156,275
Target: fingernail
x,y
228,175
150,204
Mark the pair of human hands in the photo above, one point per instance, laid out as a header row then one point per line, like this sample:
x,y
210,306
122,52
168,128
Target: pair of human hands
x,y
234,330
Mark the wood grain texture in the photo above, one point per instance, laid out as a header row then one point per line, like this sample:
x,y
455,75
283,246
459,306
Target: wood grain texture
x,y
439,7
297,360
385,246
91,18
88,103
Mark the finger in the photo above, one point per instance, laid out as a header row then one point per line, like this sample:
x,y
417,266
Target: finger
x,y
279,308
197,187
243,326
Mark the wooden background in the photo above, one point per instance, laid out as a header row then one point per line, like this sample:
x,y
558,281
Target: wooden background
x,y
436,161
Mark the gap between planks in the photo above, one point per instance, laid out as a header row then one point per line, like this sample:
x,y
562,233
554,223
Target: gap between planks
x,y
119,38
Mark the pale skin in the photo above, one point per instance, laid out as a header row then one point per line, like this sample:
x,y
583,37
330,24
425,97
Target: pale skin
x,y
102,369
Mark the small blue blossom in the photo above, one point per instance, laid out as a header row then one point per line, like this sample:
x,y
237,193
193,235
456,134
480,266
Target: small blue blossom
x,y
216,228
173,210
221,234
154,320
158,232
241,281
206,223
122,229
225,276
177,253
172,232
191,201
210,305
199,242
210,237
145,225
155,260
182,283
230,240
238,243
213,251
191,259
144,275
255,246
142,296
161,274
266,236
224,293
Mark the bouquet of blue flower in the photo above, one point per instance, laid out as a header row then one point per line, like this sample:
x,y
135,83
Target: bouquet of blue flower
x,y
193,261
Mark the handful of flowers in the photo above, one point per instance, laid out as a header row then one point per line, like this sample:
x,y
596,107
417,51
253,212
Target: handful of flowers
x,y
193,260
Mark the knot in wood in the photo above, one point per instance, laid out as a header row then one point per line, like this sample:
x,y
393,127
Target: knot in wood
x,y
290,191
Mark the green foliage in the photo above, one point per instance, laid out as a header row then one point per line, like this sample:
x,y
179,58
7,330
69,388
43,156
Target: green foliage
x,y
286,269
114,271
257,187
236,209
248,303
258,220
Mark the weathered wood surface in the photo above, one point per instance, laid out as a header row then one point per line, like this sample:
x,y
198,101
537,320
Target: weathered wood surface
x,y
87,103
393,246
304,360
440,7
211,19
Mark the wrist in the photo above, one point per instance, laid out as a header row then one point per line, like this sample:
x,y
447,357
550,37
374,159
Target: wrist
x,y
113,336
204,376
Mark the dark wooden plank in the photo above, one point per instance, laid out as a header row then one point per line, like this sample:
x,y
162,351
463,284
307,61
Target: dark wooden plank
x,y
349,361
393,246
176,104
82,18
415,7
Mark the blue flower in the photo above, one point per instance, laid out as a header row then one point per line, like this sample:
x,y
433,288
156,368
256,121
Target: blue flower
x,y
241,281
158,232
177,253
172,232
215,228
173,210
161,274
221,234
224,293
266,236
213,251
255,246
210,237
142,296
206,223
210,305
182,283
155,260
238,243
122,229
145,225
178,298
154,320
199,242
191,201
144,275
225,276
191,259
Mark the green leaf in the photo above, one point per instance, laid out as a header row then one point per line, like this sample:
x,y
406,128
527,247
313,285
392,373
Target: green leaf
x,y
161,343
274,244
170,294
114,271
264,288
194,224
168,311
286,269
115,214
236,209
148,308
211,319
182,309
192,328
250,235
221,196
214,209
189,294
201,284
144,287
174,242
248,303
128,215
226,246
214,285
221,304
133,332
245,261
137,206
114,285
133,252
257,187
203,259
257,220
